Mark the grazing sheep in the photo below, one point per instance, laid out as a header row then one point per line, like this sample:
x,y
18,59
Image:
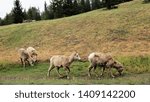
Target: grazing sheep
x,y
105,61
24,57
32,53
59,61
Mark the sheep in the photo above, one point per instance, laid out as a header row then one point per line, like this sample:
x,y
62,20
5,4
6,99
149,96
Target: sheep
x,y
24,57
32,53
105,61
62,61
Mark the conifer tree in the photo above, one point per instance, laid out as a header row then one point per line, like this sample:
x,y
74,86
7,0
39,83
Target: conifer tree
x,y
57,6
46,12
33,13
68,8
83,6
76,8
17,12
87,6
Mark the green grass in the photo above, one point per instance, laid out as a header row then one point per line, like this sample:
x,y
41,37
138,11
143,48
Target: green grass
x,y
124,32
137,71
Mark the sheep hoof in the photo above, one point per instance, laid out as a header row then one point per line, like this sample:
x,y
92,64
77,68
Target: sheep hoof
x,y
99,78
48,75
89,75
62,77
101,75
113,77
68,77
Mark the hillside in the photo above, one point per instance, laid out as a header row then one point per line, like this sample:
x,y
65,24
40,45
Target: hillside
x,y
124,31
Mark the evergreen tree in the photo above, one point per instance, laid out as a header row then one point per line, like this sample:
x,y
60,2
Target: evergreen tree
x,y
1,22
8,19
46,12
83,6
17,12
57,6
87,6
25,16
51,11
33,14
146,1
68,8
109,4
38,16
96,4
76,7
29,14
93,5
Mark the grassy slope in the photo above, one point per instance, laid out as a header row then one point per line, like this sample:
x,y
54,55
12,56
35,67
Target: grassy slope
x,y
124,30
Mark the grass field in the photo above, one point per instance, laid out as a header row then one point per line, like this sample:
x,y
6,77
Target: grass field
x,y
123,32
137,72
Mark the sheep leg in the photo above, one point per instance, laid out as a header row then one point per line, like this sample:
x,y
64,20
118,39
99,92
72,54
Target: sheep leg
x,y
67,71
21,61
49,70
90,68
103,69
24,63
111,73
95,71
30,62
58,72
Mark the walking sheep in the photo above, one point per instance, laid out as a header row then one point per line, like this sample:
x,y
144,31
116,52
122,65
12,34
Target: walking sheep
x,y
59,61
104,61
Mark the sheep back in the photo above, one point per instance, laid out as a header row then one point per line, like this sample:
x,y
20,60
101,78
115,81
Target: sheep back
x,y
99,58
59,60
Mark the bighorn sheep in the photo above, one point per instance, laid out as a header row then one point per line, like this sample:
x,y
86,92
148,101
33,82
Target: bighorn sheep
x,y
105,61
32,53
29,55
24,57
59,61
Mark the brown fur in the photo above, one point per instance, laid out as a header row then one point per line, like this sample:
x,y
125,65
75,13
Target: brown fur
x,y
59,61
105,61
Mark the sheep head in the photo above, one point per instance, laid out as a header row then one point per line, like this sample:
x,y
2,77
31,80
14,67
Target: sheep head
x,y
118,66
76,56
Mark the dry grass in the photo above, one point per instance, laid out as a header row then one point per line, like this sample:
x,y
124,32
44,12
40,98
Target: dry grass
x,y
123,31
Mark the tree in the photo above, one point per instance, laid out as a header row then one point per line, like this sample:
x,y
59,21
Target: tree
x,y
1,21
76,7
87,6
46,12
111,3
96,4
83,6
93,5
17,12
25,16
33,14
57,6
8,19
146,1
68,8
51,11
